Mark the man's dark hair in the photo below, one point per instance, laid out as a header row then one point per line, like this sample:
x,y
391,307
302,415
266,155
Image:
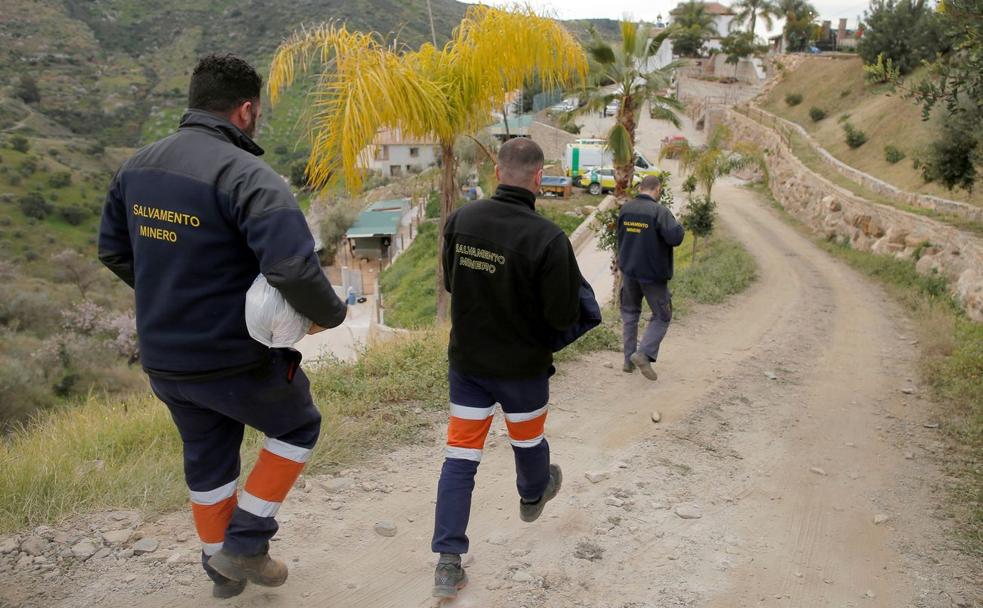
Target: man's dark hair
x,y
650,183
520,158
221,83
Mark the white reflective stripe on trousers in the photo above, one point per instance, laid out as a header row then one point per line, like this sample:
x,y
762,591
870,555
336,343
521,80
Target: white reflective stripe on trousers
x,y
257,506
211,549
215,496
462,453
286,450
527,443
465,412
527,416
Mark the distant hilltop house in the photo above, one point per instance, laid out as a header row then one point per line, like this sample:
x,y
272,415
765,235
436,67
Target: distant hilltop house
x,y
393,155
722,18
840,39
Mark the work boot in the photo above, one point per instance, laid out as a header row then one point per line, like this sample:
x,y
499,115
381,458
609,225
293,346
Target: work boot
x,y
449,577
641,361
629,367
260,569
223,587
530,511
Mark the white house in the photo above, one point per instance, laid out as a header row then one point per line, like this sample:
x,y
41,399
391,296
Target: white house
x,y
722,18
394,155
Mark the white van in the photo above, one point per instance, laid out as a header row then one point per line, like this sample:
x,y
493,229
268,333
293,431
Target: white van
x,y
581,158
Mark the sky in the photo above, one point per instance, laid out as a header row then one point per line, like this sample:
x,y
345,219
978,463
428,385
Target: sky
x,y
649,10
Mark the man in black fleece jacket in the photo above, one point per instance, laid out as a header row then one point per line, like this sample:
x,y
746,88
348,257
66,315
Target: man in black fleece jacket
x,y
189,222
647,234
514,283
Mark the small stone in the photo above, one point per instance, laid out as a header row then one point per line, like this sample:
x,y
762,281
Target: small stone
x,y
129,578
881,518
338,484
34,545
931,425
870,594
182,537
621,465
117,537
83,549
613,501
688,511
597,476
656,416
908,390
818,471
102,553
145,545
609,365
522,577
8,545
498,539
798,575
520,552
385,528
909,456
771,375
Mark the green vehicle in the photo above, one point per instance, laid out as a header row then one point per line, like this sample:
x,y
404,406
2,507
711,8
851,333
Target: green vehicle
x,y
601,180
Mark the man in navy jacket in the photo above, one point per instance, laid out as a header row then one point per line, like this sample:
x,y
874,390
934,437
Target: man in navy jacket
x,y
647,234
189,222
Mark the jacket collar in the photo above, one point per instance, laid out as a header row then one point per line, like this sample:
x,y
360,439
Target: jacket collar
x,y
515,195
646,197
235,136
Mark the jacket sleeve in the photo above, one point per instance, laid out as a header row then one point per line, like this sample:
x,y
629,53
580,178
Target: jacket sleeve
x,y
115,249
559,284
447,256
275,230
670,230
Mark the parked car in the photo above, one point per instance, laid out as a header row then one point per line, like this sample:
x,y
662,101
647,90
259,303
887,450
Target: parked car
x,y
612,108
599,181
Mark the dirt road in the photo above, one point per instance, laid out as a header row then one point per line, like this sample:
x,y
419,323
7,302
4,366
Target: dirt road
x,y
784,433
787,430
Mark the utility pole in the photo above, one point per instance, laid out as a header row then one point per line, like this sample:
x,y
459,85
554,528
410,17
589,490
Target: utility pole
x,y
433,31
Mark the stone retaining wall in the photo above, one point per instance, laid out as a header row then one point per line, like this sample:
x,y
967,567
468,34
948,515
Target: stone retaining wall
x,y
841,215
925,201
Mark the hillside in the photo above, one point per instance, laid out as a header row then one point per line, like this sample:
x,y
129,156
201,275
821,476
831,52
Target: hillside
x,y
836,85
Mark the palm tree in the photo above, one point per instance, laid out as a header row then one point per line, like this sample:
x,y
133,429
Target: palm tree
x,y
748,11
624,73
366,85
715,159
692,26
799,16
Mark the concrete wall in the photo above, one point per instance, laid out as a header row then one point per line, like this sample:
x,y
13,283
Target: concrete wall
x,y
838,214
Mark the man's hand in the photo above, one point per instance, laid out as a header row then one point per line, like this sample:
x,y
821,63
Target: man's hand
x,y
315,329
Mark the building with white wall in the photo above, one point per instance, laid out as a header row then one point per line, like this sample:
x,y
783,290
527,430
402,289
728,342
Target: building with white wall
x,y
723,16
394,155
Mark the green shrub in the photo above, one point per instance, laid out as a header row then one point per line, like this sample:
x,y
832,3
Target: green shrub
x,y
793,99
854,137
892,154
33,205
334,224
882,71
817,113
73,214
845,93
20,143
62,179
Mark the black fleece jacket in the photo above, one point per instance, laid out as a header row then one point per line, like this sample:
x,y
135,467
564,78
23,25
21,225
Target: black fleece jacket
x,y
647,233
514,283
189,222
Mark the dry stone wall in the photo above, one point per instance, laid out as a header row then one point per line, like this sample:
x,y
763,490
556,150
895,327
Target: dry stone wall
x,y
841,215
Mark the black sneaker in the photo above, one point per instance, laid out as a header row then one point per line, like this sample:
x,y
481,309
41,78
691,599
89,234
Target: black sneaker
x,y
449,577
643,364
629,367
530,511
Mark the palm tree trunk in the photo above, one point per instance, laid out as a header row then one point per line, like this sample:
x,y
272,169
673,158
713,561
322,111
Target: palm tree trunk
x,y
624,172
448,196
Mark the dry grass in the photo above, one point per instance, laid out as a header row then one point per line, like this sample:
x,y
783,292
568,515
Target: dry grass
x,y
886,118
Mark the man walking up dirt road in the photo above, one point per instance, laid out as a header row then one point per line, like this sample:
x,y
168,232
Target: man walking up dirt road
x,y
647,234
514,284
189,222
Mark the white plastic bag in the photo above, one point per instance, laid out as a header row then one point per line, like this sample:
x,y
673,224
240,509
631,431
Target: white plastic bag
x,y
270,319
